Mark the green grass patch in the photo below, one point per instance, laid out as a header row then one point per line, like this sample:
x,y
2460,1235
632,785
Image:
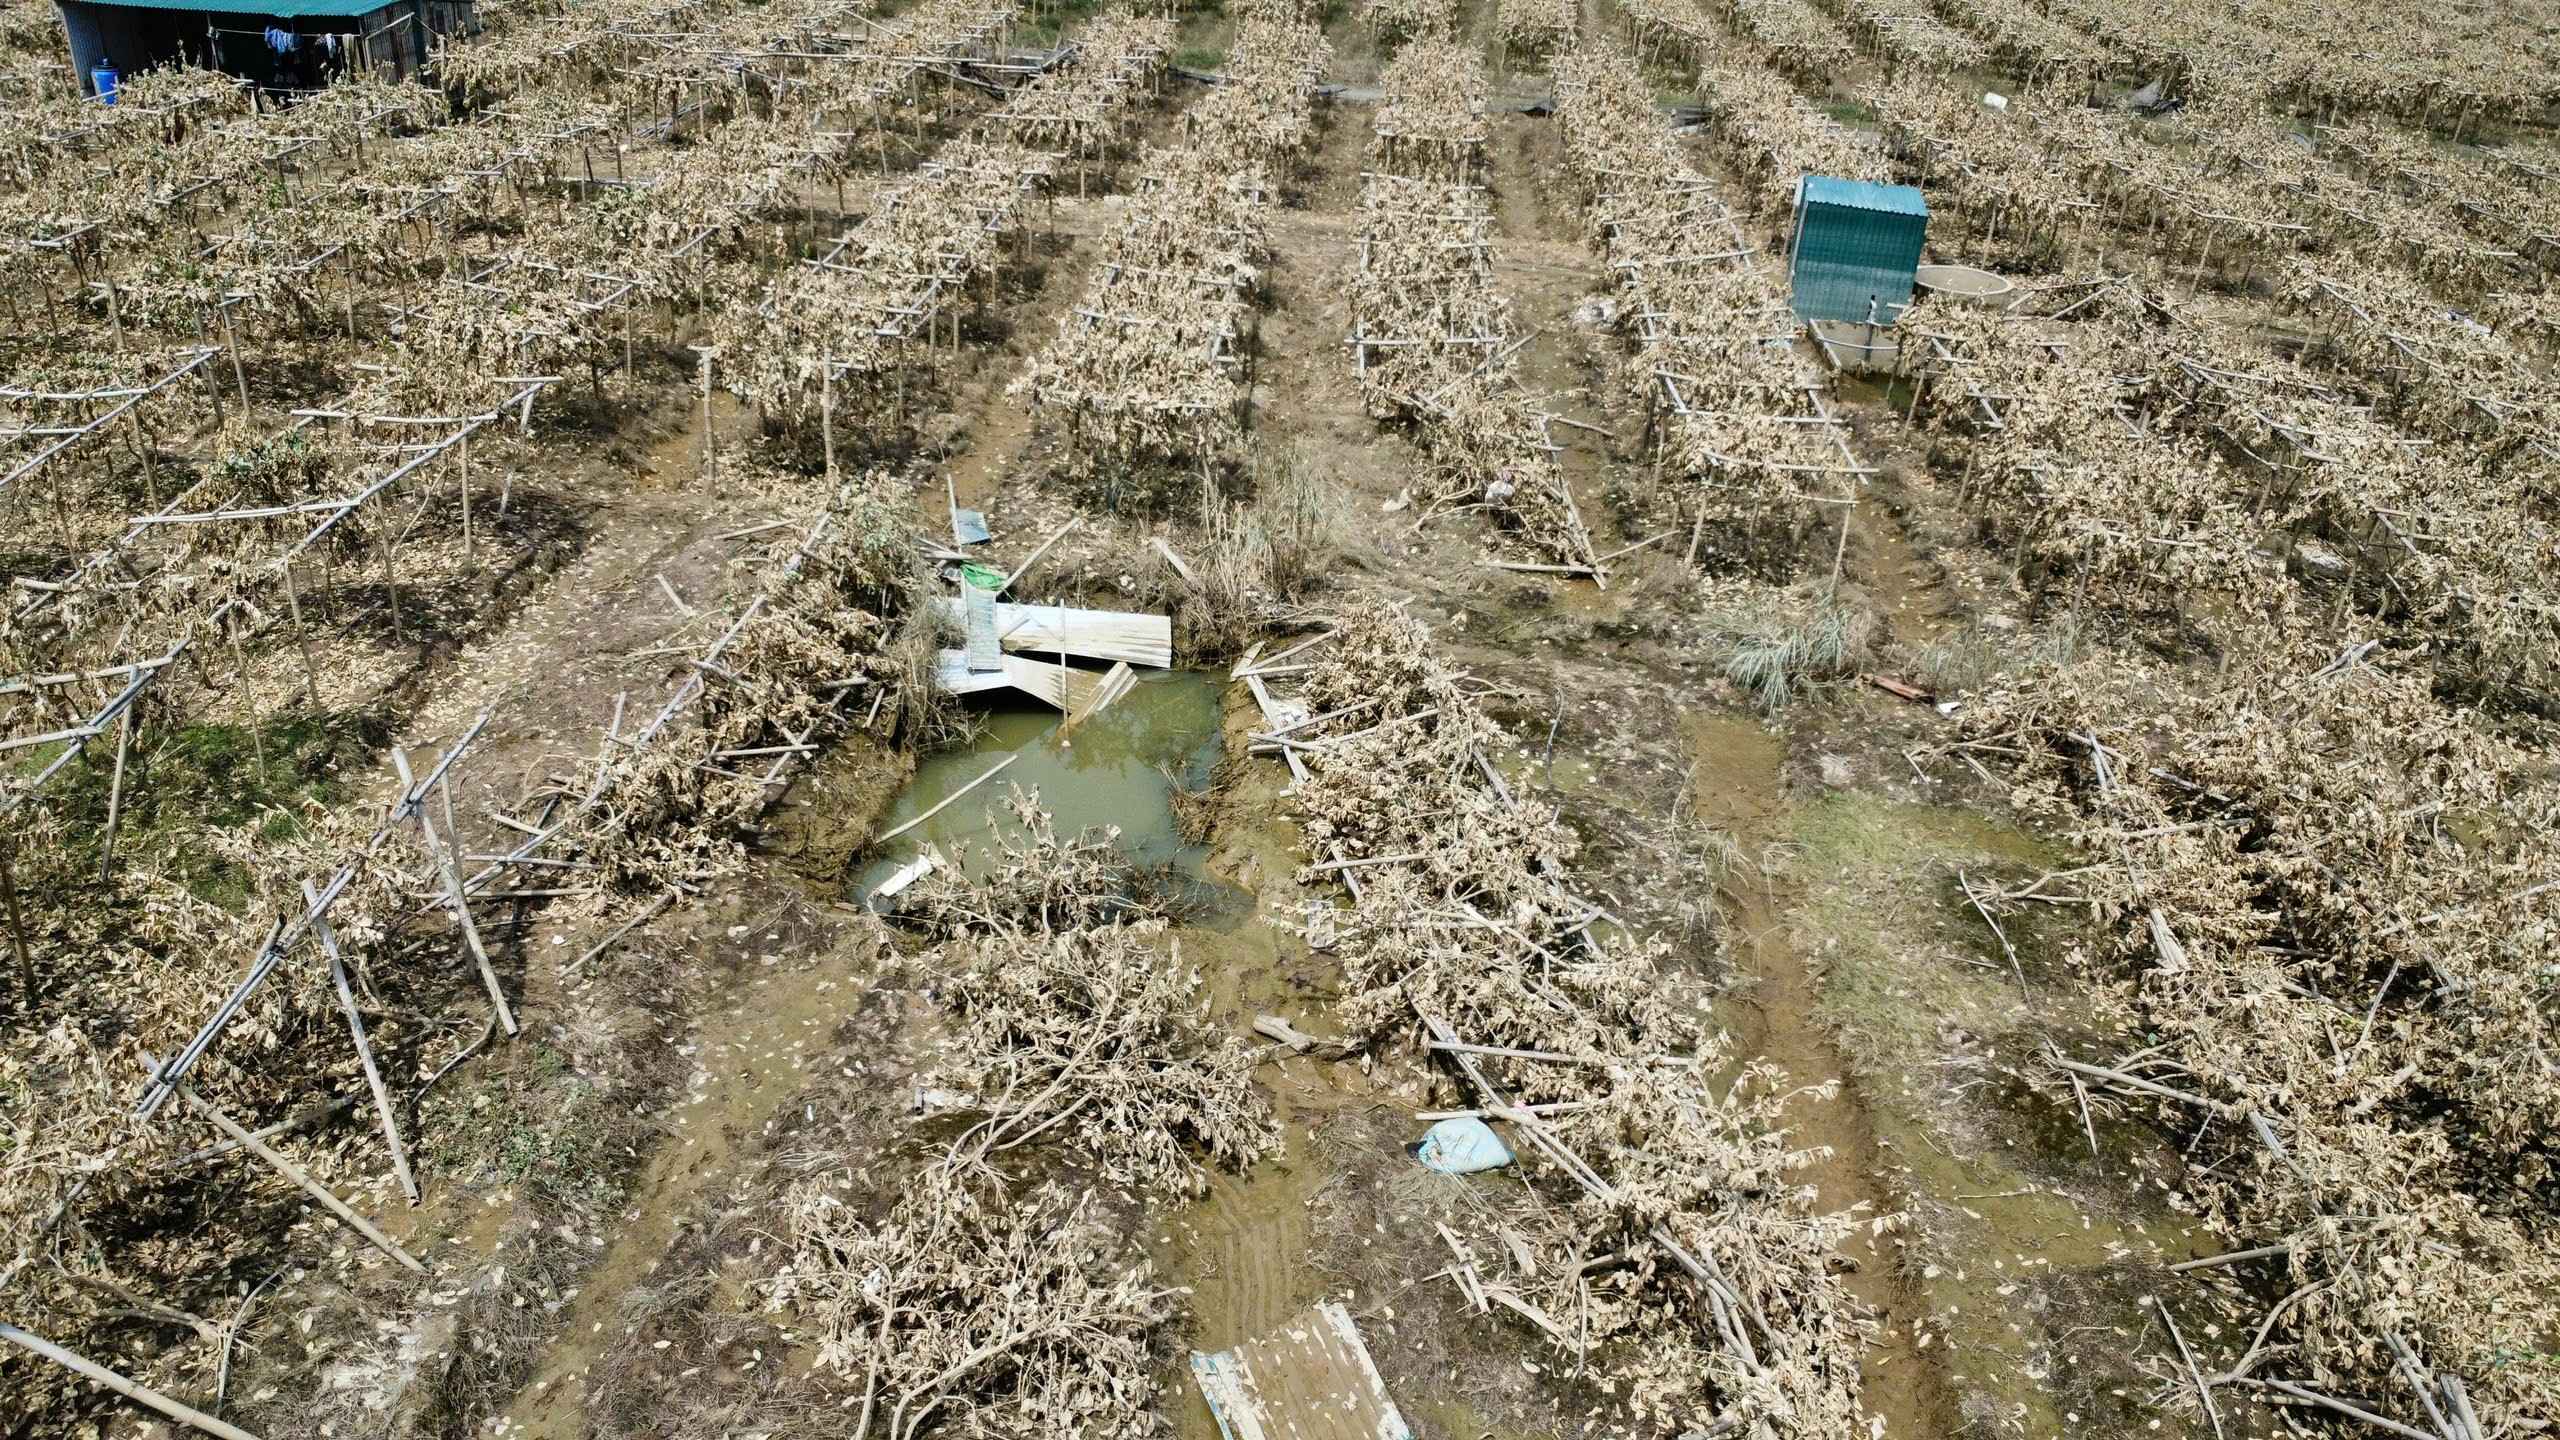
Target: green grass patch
x,y
1199,59
1881,917
1852,112
181,782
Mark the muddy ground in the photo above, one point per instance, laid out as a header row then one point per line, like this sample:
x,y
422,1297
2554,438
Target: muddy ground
x,y
601,1194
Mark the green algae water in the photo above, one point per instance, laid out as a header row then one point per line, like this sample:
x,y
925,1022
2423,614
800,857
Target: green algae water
x,y
1118,768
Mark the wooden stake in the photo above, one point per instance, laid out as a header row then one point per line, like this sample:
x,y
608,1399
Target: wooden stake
x,y
231,347
464,449
391,585
298,1176
302,640
827,414
240,663
17,925
115,790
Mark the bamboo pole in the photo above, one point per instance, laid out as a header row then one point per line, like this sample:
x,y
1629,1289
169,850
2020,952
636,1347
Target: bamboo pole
x,y
302,639
453,891
115,789
298,1176
239,376
364,1050
17,925
946,801
464,448
132,1390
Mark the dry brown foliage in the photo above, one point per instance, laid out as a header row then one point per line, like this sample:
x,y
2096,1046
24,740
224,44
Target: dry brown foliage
x,y
1465,926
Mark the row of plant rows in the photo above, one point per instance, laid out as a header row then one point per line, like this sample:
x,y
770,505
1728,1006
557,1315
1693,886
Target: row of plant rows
x,y
2285,866
865,309
1680,1265
164,962
1735,416
1154,361
1433,337
2272,876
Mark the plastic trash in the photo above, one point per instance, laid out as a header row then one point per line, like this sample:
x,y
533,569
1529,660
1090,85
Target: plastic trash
x,y
1461,1147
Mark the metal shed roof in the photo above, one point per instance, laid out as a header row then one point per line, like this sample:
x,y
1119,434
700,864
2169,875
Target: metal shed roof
x,y
277,9
1865,195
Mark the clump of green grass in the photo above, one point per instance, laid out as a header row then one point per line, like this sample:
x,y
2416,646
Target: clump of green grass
x,y
1782,644
1973,654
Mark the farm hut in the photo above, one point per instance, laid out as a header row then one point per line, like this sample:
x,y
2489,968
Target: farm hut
x,y
275,44
1857,246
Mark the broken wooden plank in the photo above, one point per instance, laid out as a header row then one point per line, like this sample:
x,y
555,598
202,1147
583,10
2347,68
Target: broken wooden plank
x,y
1157,544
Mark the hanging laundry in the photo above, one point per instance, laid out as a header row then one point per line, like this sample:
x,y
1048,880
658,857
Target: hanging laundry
x,y
281,41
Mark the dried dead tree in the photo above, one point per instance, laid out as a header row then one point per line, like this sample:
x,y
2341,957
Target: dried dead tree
x,y
968,1311
1669,32
974,1306
1075,1007
1903,34
1689,1273
882,298
180,1006
2350,1004
2052,423
1432,337
1154,363
1533,29
1800,41
1766,128
1431,121
2022,39
1392,21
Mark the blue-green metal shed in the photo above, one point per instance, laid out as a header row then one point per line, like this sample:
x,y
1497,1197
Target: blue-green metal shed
x,y
1856,242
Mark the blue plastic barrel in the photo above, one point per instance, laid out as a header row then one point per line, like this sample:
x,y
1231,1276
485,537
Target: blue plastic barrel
x,y
103,80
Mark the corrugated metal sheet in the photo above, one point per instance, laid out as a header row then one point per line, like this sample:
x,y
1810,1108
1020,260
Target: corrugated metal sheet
x,y
1865,195
1311,1380
1856,242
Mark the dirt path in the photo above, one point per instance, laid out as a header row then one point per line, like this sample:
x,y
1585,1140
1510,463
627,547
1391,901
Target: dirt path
x,y
1740,791
746,1058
